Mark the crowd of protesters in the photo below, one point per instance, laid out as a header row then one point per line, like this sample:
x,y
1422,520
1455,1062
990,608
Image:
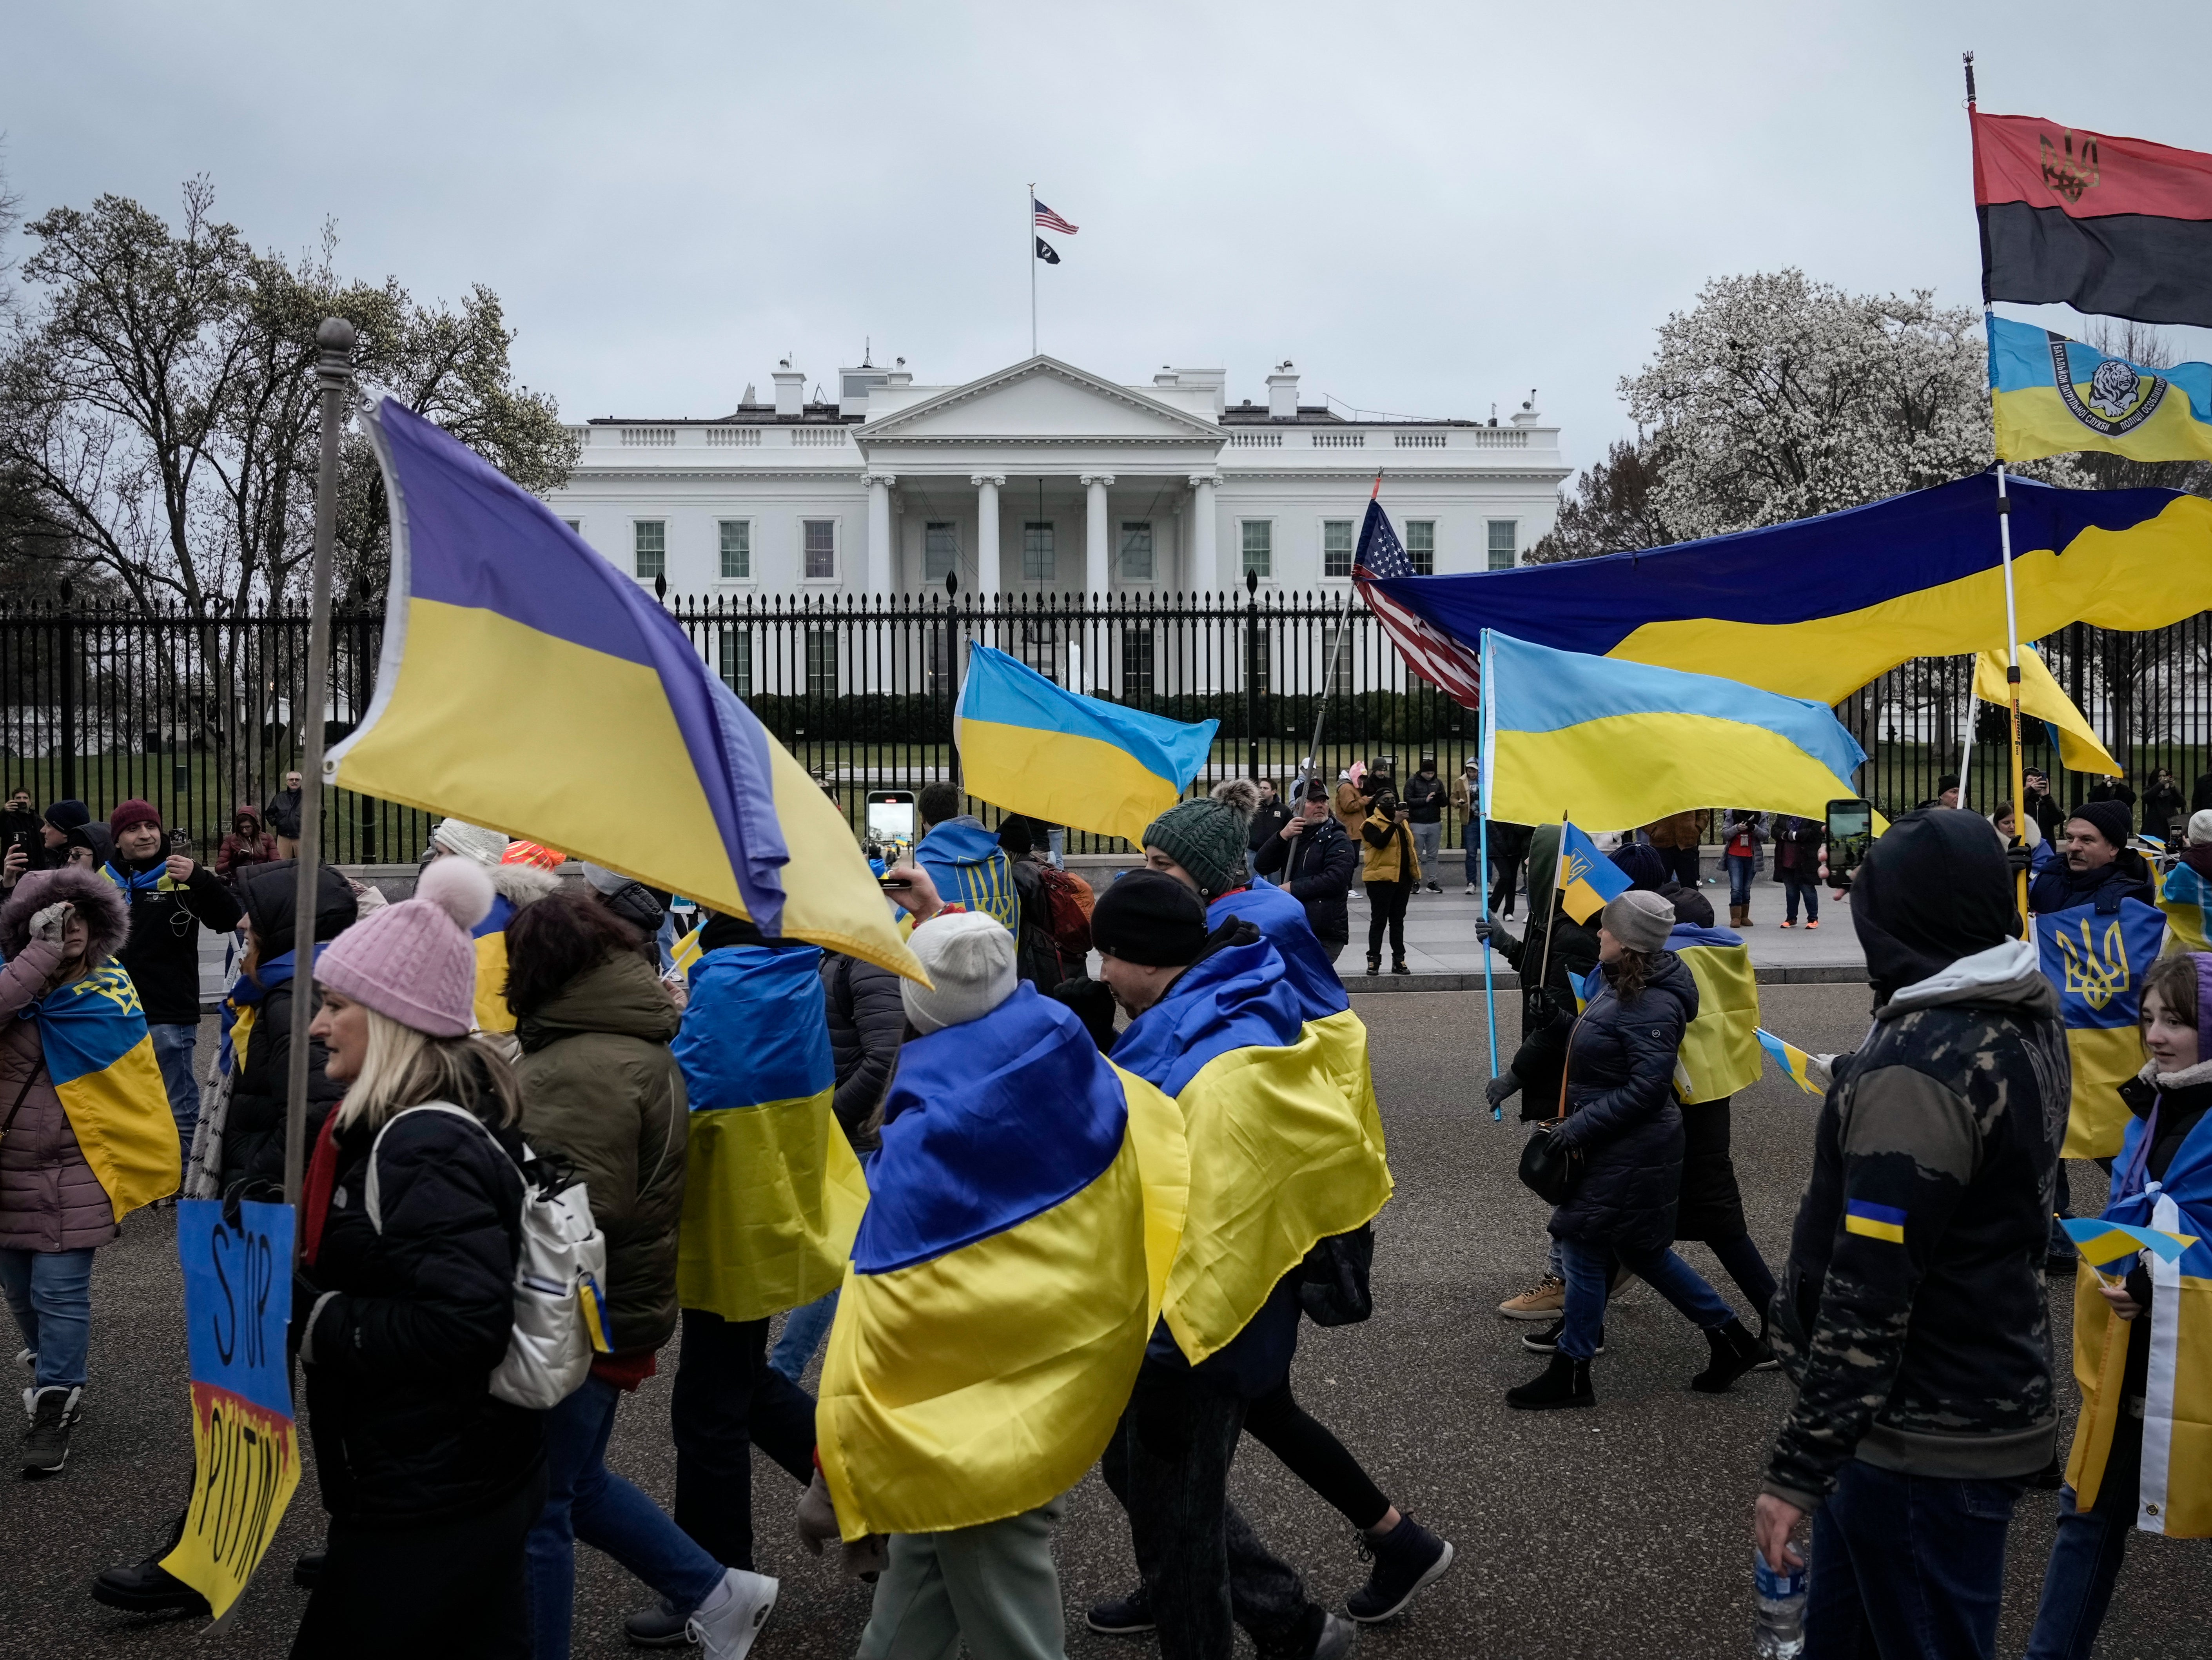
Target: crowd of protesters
x,y
503,1012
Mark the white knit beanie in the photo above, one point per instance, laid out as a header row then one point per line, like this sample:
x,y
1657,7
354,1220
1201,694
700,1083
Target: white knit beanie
x,y
1641,921
969,958
486,847
2200,827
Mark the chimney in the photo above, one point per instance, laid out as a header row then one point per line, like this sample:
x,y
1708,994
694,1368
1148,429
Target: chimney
x,y
1526,416
790,391
1283,393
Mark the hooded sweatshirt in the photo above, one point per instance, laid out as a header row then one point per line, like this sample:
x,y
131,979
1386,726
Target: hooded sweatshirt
x,y
970,868
1912,1314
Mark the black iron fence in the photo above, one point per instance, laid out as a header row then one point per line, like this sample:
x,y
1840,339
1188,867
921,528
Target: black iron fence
x,y
198,716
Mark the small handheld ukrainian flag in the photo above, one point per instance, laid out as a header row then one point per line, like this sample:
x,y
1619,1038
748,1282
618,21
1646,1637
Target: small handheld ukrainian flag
x,y
1031,747
2052,396
2101,1242
1587,879
1792,1059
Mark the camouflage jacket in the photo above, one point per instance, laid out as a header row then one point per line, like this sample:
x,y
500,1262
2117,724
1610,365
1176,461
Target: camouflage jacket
x,y
1911,1315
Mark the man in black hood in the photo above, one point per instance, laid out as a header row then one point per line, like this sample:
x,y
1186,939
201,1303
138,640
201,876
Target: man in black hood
x,y
1911,1315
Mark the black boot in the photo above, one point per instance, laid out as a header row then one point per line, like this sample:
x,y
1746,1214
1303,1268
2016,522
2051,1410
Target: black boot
x,y
1566,1383
146,1587
1736,1351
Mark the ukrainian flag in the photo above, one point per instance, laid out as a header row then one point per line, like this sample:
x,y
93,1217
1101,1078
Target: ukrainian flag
x,y
1029,746
1028,1198
2182,894
2079,746
520,666
489,936
100,1058
1720,1053
1818,608
2052,396
2097,961
1617,742
1586,878
1872,1221
1285,1141
2100,1241
772,1192
1792,1061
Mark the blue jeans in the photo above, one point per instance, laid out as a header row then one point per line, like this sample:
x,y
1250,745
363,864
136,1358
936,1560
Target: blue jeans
x,y
173,1050
50,1293
586,1501
1738,874
1907,1565
1809,892
1590,1274
2085,1562
804,1329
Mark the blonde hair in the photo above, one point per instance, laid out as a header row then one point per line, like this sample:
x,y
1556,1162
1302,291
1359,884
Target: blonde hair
x,y
403,1068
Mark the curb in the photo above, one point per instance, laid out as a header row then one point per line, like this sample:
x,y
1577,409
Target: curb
x,y
1805,974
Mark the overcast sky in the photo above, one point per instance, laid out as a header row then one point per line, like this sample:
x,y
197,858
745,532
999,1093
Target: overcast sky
x,y
1429,208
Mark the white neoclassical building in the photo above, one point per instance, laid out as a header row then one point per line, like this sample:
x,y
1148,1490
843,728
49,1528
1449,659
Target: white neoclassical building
x,y
1043,478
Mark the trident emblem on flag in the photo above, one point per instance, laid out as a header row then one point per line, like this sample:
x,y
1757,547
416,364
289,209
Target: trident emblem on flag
x,y
2097,981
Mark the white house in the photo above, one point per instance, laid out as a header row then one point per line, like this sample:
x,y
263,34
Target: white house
x,y
1044,479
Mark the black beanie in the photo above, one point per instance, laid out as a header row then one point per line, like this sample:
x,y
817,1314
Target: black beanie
x,y
1150,918
2111,819
66,816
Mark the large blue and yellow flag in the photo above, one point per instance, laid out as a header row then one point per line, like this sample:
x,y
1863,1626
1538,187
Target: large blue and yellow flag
x,y
2097,959
1027,1200
1867,588
1721,1052
529,686
1032,747
101,1059
2041,697
1612,743
1586,878
1285,1141
772,1192
2052,396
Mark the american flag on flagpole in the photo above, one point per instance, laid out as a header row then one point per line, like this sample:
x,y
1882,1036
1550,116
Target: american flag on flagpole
x,y
1430,653
1048,220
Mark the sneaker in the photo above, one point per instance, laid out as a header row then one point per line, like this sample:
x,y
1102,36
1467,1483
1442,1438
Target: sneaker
x,y
1546,1341
146,1587
1406,1558
1123,1616
1336,1639
1400,968
1786,924
1545,1300
52,1410
1814,923
1434,888
659,1627
1470,887
726,1623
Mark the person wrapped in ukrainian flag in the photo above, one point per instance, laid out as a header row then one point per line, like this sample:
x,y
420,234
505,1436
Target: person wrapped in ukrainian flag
x,y
515,883
2142,1459
1025,1206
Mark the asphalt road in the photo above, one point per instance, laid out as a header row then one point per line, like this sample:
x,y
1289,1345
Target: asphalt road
x,y
1620,1531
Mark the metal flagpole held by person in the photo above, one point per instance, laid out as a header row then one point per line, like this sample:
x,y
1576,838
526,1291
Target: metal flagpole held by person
x,y
334,376
1482,855
1028,247
1312,767
2012,610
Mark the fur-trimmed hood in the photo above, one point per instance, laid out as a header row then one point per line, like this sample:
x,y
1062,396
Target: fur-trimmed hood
x,y
92,893
522,885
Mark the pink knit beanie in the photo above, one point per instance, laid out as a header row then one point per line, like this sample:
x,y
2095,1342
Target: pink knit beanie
x,y
414,962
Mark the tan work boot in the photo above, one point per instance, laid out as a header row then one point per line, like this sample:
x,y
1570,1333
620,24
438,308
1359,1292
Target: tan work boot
x,y
1545,1300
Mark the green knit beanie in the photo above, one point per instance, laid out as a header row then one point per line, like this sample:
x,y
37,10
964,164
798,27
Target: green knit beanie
x,y
1207,837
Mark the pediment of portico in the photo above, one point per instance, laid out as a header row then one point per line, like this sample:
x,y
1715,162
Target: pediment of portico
x,y
1045,402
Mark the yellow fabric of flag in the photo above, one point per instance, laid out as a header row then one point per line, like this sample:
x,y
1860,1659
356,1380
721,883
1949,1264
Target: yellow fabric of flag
x,y
2041,697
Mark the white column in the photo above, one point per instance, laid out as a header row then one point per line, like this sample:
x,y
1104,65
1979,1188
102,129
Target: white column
x,y
987,530
879,531
1096,547
1204,576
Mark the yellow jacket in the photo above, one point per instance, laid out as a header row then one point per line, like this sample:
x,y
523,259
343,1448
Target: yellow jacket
x,y
1394,861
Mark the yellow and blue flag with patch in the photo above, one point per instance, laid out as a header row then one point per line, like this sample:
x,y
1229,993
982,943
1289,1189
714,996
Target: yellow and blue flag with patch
x,y
489,937
1620,742
1792,1059
1029,746
1869,588
1720,1052
100,1058
1285,1140
1587,879
2053,396
2181,895
1871,1221
2097,961
2040,696
518,664
1026,1203
772,1192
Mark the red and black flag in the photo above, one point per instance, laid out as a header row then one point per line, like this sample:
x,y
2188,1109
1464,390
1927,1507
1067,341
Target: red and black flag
x,y
2116,226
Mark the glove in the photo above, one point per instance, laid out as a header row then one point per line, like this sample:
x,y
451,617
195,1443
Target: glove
x,y
1501,1088
866,1557
817,1516
48,924
1821,1069
2016,858
1492,923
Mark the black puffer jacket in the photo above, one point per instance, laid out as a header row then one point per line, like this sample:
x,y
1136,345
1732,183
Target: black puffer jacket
x,y
1547,1009
408,1325
1315,866
867,1023
1621,1114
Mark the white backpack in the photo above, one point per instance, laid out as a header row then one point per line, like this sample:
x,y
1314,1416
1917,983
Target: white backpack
x,y
562,1265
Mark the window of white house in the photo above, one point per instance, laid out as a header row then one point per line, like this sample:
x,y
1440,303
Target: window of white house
x,y
575,525
1136,550
1336,546
651,545
1502,548
820,539
1259,541
737,550
1036,551
1421,546
820,662
737,664
1137,656
941,549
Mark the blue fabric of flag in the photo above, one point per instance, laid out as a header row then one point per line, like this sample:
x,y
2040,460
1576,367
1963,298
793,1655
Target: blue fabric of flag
x,y
960,1160
777,993
1282,923
1237,997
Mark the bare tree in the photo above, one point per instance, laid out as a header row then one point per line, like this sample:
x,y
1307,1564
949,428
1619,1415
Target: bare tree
x,y
1613,509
